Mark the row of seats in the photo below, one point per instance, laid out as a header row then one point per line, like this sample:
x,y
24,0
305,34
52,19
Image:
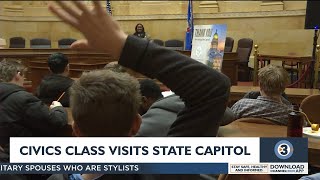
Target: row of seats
x,y
244,49
20,42
242,43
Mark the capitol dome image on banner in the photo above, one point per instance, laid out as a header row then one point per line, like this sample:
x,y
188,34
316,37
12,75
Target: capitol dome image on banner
x,y
208,44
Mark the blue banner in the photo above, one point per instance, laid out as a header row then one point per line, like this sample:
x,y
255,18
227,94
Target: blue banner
x,y
114,168
189,33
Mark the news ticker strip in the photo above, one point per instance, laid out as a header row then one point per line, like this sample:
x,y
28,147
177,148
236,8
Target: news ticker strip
x,y
153,168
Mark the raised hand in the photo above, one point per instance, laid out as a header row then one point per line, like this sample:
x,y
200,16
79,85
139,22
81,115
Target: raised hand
x,y
102,33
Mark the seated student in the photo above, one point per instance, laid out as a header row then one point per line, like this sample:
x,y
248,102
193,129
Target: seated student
x,y
150,92
156,122
270,104
21,113
106,103
53,85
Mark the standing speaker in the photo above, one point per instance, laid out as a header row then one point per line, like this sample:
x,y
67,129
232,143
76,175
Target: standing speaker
x,y
312,15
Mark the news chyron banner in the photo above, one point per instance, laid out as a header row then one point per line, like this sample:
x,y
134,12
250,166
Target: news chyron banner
x,y
157,156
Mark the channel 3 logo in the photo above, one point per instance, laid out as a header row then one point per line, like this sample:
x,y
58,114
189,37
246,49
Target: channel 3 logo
x,y
283,149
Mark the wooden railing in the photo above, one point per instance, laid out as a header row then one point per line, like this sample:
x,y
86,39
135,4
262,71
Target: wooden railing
x,y
303,65
80,60
36,61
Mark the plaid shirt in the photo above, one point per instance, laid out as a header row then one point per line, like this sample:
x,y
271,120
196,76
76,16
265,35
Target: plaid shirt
x,y
262,107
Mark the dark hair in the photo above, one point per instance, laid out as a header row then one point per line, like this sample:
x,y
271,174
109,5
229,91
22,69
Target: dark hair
x,y
140,34
150,89
137,27
57,63
105,103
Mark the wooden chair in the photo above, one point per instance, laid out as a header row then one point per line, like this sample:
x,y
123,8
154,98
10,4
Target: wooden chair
x,y
229,44
244,50
292,68
174,44
17,42
157,41
65,42
310,105
40,43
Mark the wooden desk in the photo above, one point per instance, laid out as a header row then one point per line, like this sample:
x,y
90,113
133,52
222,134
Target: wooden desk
x,y
243,129
74,56
295,95
230,66
80,60
37,59
261,59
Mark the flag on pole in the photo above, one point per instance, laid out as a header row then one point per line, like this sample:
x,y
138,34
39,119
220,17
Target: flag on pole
x,y
189,32
109,10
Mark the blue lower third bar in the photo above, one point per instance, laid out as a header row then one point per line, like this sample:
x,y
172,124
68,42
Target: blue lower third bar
x,y
114,168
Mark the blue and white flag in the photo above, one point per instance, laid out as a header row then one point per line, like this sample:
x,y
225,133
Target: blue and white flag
x,y
109,10
189,32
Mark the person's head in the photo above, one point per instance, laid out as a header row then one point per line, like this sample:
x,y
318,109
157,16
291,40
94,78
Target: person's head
x,y
139,28
12,71
150,92
272,80
105,103
114,66
58,63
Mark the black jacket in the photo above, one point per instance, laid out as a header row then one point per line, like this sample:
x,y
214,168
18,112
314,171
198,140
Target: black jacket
x,y
22,114
52,86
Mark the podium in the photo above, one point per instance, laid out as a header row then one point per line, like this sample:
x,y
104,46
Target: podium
x,y
229,65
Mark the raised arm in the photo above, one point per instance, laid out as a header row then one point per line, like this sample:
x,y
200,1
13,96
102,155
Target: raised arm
x,y
204,90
